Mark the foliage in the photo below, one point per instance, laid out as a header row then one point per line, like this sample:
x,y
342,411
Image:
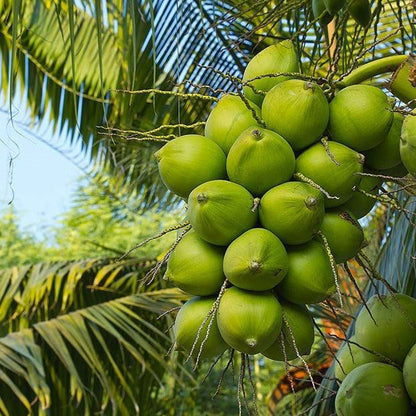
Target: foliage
x,y
17,246
102,222
82,335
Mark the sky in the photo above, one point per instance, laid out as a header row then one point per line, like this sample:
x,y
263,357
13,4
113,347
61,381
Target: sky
x,y
36,179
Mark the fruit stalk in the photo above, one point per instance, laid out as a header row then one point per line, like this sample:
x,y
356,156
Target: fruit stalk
x,y
371,69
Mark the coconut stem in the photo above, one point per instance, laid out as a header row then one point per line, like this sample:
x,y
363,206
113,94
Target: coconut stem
x,y
288,374
388,200
333,265
171,93
371,69
375,273
256,204
161,234
201,198
211,316
324,142
310,202
151,274
334,356
295,347
357,288
224,371
255,266
253,386
257,134
303,178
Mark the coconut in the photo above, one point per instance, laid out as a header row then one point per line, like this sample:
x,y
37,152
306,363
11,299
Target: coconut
x,y
409,373
360,117
257,260
408,144
249,321
359,204
277,58
333,6
352,357
259,160
309,278
373,389
297,328
219,211
344,234
395,330
187,324
293,211
187,161
320,11
229,118
360,11
398,171
403,82
386,155
191,254
298,111
338,179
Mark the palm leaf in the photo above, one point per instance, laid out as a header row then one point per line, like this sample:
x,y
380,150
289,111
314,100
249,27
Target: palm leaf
x,y
75,338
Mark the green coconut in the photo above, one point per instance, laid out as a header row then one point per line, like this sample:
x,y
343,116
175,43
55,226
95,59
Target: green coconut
x,y
386,155
293,211
403,82
259,160
360,117
297,329
229,118
219,211
334,6
398,171
338,179
352,357
409,373
249,321
344,234
257,260
187,161
395,330
187,323
359,204
408,144
320,11
195,266
373,389
298,111
310,278
360,11
277,58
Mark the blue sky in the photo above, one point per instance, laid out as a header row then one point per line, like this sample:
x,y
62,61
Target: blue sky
x,y
41,180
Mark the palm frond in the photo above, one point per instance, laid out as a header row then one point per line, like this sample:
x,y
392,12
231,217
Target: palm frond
x,y
56,316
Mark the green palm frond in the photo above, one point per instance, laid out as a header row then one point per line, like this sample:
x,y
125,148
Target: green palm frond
x,y
84,335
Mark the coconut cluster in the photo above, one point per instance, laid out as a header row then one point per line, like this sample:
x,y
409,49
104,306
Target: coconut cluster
x,y
377,366
326,10
273,205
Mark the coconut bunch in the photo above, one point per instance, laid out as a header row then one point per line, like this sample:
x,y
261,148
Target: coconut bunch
x,y
326,10
273,193
377,365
